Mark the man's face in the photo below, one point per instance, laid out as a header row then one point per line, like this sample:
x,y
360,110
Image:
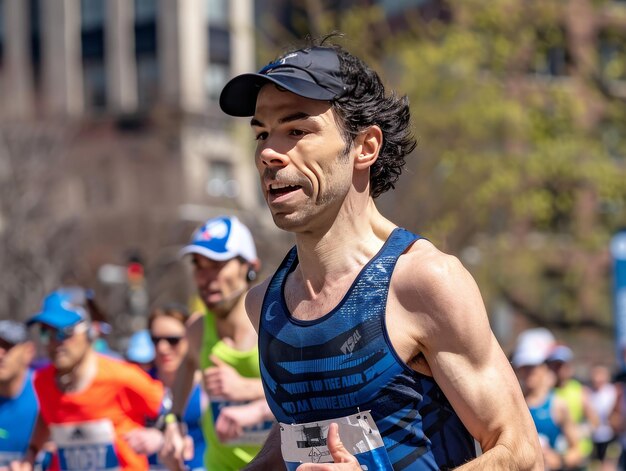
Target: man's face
x,y
14,359
531,377
219,283
301,158
67,347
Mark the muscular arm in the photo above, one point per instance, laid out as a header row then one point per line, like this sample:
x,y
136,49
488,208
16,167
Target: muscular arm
x,y
447,324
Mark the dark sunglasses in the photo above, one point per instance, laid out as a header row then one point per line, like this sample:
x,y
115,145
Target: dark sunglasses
x,y
172,341
60,335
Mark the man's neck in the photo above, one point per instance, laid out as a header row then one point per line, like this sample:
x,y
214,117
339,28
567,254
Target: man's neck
x,y
78,377
341,250
13,386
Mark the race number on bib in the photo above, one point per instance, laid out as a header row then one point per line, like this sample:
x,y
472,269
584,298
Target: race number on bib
x,y
306,443
86,446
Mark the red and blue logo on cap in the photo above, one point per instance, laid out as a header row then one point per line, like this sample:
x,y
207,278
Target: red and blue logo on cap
x,y
213,236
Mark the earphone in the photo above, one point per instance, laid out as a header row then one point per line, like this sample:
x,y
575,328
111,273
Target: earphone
x,y
251,275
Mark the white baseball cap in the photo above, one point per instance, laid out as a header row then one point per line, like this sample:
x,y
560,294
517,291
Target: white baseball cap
x,y
222,238
533,347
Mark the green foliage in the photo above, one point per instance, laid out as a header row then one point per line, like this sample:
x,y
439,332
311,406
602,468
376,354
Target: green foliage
x,y
527,167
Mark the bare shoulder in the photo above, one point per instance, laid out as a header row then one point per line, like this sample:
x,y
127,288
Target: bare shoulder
x,y
254,302
429,273
438,295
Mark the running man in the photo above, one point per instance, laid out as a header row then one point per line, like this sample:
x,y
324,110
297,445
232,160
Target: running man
x,y
18,402
375,347
223,345
88,402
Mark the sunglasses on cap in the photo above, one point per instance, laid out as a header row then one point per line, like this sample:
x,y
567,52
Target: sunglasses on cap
x,y
171,340
46,333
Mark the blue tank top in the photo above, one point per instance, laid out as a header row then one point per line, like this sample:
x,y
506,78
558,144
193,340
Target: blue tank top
x,y
547,428
343,364
17,419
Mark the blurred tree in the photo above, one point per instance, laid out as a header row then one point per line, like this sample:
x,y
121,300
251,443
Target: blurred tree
x,y
37,227
520,164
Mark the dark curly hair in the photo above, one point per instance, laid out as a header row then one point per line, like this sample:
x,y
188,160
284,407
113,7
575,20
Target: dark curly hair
x,y
365,104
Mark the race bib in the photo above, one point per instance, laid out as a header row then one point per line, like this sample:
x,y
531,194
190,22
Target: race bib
x,y
252,436
86,446
306,443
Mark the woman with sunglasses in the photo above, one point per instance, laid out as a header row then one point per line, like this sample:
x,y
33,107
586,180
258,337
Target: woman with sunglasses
x,y
167,330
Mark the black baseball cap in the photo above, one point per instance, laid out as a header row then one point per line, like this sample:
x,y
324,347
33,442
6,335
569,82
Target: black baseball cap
x,y
312,73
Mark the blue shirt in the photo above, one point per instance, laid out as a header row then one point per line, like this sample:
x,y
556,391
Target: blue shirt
x,y
17,419
343,365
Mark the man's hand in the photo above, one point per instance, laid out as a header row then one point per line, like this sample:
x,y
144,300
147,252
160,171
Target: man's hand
x,y
343,460
222,380
232,419
145,441
176,448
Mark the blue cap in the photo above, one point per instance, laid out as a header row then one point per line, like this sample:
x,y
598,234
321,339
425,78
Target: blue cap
x,y
140,347
221,239
60,310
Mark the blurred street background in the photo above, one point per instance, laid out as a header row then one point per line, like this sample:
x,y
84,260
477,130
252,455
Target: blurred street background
x,y
113,148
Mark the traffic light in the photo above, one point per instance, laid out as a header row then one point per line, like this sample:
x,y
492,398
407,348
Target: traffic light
x,y
135,273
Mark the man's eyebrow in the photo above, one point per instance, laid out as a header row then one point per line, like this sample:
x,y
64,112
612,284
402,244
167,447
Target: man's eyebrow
x,y
292,117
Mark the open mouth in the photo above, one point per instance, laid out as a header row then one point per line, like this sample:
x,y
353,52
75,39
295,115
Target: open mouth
x,y
279,190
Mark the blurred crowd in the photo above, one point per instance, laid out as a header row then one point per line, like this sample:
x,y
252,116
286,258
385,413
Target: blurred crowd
x,y
581,421
185,394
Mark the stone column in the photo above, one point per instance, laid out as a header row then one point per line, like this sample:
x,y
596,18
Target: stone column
x,y
18,79
183,53
241,19
121,64
61,57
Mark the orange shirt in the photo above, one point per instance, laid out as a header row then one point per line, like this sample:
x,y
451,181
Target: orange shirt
x,y
88,426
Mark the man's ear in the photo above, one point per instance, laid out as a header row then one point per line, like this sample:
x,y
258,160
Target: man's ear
x,y
369,143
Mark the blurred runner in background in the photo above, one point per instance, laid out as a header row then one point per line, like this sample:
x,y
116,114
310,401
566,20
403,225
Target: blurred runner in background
x,y
166,329
223,345
568,388
18,402
88,401
602,399
557,430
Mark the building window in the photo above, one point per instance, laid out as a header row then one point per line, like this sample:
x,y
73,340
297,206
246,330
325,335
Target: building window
x,y
215,78
91,14
216,12
145,11
221,182
148,80
35,40
219,44
94,83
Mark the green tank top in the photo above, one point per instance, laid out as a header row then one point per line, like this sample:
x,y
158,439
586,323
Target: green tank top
x,y
572,393
219,456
